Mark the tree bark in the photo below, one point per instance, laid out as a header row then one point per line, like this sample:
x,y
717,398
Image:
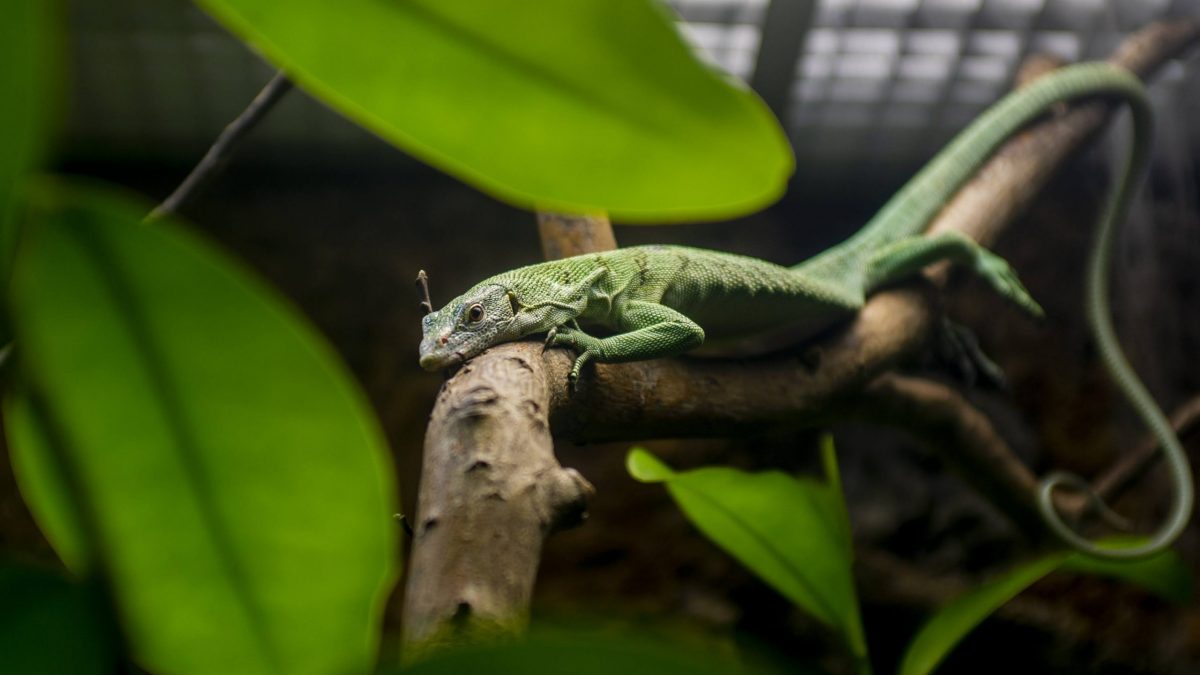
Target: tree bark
x,y
565,235
491,489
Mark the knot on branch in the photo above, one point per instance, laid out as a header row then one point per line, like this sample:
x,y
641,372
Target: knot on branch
x,y
565,499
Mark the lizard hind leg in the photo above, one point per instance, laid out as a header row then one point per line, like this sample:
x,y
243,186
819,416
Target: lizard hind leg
x,y
906,257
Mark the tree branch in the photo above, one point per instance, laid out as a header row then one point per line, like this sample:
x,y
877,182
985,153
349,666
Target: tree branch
x,y
491,490
564,235
963,436
1131,467
223,148
490,472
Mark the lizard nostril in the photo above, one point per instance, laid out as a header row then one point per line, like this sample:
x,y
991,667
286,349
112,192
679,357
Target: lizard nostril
x,y
443,340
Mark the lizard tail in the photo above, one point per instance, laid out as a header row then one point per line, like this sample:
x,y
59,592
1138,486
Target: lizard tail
x,y
1117,365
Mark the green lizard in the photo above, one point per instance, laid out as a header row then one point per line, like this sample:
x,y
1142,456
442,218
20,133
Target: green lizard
x,y
664,300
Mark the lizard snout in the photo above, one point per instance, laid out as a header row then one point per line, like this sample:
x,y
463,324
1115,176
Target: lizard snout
x,y
429,361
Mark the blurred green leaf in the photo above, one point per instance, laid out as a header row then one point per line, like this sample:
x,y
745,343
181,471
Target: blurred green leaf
x,y
792,532
580,653
576,106
183,433
27,79
1165,574
955,620
49,624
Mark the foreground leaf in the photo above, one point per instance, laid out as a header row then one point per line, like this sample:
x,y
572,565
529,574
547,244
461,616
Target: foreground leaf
x,y
578,106
791,532
581,653
27,74
1164,574
183,433
49,624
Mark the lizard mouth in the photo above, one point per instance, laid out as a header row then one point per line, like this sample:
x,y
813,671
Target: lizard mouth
x,y
434,361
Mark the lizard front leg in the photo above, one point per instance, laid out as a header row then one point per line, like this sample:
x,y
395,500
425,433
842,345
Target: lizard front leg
x,y
651,331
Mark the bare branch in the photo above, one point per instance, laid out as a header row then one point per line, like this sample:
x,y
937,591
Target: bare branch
x,y
491,490
1131,467
223,148
564,236
424,301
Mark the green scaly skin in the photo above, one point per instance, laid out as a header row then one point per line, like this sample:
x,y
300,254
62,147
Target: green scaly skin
x,y
663,300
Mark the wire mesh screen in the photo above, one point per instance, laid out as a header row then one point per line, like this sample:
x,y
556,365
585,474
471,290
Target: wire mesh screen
x,y
878,82
889,81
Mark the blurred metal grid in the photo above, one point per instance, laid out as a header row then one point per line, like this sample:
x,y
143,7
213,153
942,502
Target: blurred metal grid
x,y
875,81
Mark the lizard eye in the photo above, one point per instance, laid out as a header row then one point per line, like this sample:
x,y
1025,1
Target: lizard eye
x,y
475,313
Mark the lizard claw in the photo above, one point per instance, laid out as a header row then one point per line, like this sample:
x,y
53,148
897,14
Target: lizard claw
x,y
585,346
550,335
576,369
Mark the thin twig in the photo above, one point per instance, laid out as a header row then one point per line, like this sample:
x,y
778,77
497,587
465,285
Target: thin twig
x,y
222,149
1186,421
424,301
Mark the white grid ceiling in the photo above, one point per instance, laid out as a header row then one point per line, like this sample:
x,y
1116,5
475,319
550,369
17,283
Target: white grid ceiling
x,y
892,80
875,80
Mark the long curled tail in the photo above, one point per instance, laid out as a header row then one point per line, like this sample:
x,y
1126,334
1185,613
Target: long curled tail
x,y
1130,89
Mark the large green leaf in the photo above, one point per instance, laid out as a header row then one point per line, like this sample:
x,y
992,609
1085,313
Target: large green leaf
x,y
580,652
791,532
1165,574
49,624
183,433
27,71
576,106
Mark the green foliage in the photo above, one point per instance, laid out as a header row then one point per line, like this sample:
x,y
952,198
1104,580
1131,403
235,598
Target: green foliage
x,y
51,625
27,65
579,653
575,106
181,432
791,532
954,621
1165,574
795,534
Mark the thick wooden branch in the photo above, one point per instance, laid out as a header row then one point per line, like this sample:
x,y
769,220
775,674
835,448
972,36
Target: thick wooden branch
x,y
491,490
678,398
473,564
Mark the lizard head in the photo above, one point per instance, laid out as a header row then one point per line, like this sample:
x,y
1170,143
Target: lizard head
x,y
466,326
